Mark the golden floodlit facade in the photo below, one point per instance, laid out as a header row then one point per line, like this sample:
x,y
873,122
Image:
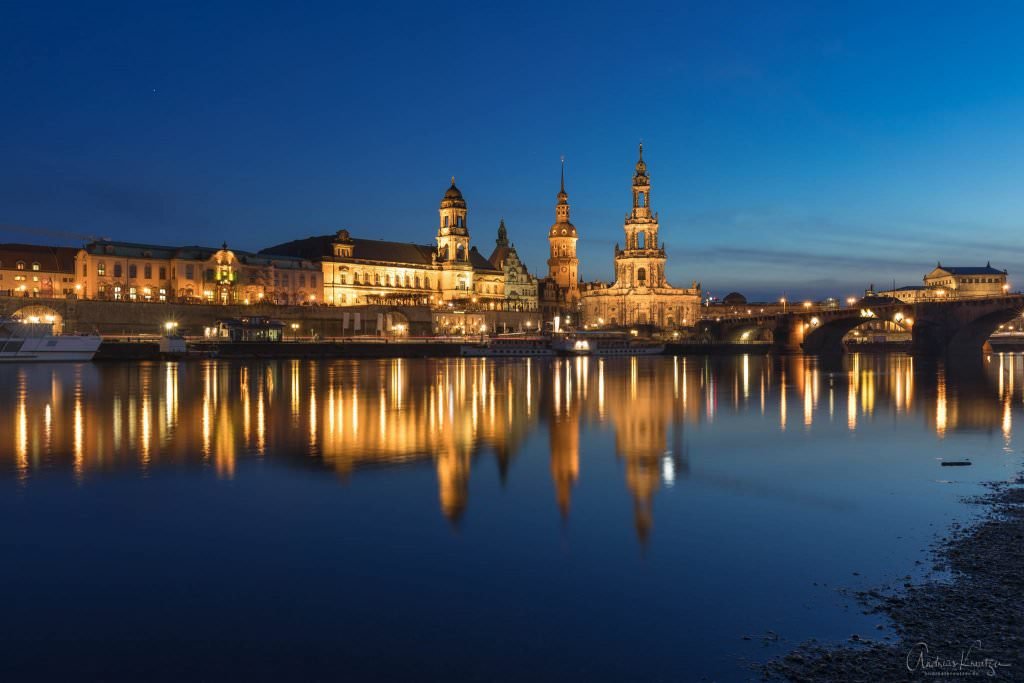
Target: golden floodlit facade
x,y
560,290
359,271
641,295
131,272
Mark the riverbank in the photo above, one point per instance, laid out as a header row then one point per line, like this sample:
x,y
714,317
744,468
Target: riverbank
x,y
971,626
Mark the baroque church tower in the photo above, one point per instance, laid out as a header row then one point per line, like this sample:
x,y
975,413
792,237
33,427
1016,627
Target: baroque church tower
x,y
563,266
642,262
452,230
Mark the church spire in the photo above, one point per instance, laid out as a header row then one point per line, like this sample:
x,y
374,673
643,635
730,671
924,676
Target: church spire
x,y
563,196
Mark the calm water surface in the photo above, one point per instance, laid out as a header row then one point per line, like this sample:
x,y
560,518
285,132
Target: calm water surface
x,y
619,519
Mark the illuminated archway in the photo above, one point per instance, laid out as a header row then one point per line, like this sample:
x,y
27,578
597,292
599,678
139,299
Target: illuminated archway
x,y
41,314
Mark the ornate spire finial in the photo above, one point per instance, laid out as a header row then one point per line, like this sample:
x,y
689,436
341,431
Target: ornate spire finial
x,y
502,234
563,174
453,181
641,150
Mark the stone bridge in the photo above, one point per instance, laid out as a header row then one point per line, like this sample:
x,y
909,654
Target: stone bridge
x,y
957,327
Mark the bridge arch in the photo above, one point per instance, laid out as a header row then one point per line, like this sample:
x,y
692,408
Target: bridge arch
x,y
824,335
38,313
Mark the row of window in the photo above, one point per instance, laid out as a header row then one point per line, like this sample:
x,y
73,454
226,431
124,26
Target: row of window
x,y
147,273
20,265
979,280
387,281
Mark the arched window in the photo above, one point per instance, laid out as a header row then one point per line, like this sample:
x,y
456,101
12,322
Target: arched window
x,y
460,252
641,240
446,221
641,199
641,275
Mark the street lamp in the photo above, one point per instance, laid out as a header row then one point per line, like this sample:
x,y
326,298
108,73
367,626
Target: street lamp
x,y
783,302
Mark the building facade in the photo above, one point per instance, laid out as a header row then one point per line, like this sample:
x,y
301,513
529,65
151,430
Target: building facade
x,y
31,270
449,273
641,295
951,282
559,292
520,287
127,271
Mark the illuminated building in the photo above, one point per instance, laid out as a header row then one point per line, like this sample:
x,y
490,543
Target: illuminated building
x,y
560,290
359,271
951,282
37,271
640,294
126,271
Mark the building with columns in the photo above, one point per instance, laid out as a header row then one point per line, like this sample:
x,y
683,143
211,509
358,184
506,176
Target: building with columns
x,y
560,291
641,295
449,273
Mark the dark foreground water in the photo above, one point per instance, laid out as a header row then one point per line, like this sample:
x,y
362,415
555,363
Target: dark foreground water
x,y
621,519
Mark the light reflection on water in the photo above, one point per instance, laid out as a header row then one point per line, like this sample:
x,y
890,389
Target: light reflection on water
x,y
348,414
714,456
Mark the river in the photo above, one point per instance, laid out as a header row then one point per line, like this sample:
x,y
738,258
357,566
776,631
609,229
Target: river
x,y
618,519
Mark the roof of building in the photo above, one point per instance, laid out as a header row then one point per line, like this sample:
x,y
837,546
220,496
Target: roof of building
x,y
193,253
987,269
50,259
557,228
734,299
315,248
479,262
499,256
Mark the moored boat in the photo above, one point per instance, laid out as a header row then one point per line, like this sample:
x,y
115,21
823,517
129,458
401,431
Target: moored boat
x,y
22,341
509,347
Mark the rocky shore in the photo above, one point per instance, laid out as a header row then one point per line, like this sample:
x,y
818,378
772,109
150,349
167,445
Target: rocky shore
x,y
971,626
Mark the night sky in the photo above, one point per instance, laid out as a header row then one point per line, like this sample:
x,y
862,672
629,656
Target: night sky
x,y
798,148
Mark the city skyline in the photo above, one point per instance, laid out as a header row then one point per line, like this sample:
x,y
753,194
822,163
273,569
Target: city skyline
x,y
804,151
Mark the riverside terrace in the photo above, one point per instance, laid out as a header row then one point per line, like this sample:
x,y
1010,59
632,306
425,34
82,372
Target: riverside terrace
x,y
956,327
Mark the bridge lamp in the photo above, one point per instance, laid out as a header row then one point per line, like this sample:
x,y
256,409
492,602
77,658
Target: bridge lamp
x,y
1006,288
745,336
807,304
909,322
851,300
815,322
898,317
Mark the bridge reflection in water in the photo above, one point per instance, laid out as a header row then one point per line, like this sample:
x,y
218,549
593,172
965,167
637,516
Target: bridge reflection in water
x,y
344,416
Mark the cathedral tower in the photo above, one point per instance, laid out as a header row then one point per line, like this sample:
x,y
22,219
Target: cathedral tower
x,y
452,230
563,266
642,262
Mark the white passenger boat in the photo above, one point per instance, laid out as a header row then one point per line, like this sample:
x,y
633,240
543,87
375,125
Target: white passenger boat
x,y
22,342
606,344
572,346
509,347
625,347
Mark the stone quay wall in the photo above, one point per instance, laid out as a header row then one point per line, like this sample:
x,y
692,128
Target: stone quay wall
x,y
133,318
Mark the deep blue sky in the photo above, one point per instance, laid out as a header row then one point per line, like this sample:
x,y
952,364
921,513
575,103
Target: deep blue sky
x,y
799,147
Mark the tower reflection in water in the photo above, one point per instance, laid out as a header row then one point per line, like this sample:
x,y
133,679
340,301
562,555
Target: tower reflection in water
x,y
343,415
